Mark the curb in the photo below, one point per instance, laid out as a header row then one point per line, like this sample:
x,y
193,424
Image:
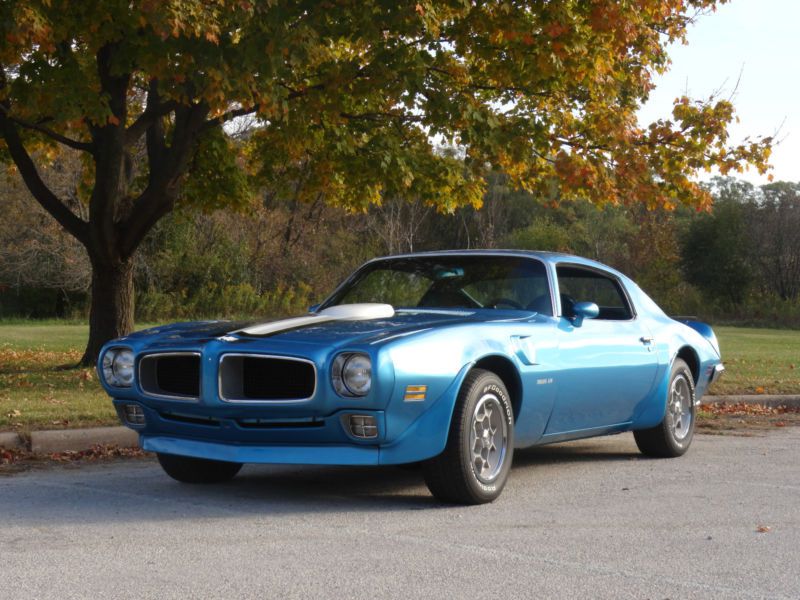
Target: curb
x,y
62,440
71,440
11,441
75,440
771,401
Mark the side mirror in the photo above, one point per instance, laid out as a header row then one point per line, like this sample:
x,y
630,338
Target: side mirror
x,y
313,308
584,310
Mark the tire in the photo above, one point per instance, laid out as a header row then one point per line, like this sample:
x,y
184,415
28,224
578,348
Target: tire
x,y
474,466
673,436
413,466
197,470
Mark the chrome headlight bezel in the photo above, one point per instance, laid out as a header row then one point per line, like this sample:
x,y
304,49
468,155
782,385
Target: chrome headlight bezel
x,y
117,367
351,374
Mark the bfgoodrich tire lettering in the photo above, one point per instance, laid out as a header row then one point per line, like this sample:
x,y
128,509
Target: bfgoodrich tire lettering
x,y
474,466
197,470
673,436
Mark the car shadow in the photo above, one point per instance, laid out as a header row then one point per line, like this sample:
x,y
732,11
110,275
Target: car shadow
x,y
388,488
136,490
593,450
332,489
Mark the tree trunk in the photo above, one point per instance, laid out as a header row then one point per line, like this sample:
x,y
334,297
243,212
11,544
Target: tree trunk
x,y
111,312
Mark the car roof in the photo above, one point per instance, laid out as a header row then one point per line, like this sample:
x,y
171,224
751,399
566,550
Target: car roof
x,y
543,255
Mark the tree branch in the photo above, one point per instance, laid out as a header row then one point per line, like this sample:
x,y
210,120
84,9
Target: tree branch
x,y
109,140
38,188
231,114
159,196
382,115
62,139
244,111
154,111
155,137
147,118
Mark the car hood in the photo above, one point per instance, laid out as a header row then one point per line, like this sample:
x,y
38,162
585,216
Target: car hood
x,y
333,332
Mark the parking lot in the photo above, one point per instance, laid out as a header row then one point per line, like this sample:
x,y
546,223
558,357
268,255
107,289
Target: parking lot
x,y
586,519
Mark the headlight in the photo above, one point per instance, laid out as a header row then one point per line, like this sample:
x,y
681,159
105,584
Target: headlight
x,y
352,374
118,367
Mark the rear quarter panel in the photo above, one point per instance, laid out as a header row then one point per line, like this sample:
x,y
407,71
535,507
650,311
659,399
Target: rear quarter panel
x,y
670,339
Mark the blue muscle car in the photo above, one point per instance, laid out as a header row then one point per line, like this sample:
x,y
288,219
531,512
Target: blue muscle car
x,y
451,359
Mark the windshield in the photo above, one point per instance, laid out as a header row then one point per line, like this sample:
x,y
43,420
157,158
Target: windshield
x,y
501,282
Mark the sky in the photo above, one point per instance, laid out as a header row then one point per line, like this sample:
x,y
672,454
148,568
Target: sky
x,y
754,42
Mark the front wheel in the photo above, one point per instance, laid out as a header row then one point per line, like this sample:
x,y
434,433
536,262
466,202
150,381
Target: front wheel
x,y
474,466
197,470
674,434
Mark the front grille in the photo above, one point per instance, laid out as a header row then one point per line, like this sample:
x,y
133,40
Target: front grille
x,y
179,375
171,375
250,377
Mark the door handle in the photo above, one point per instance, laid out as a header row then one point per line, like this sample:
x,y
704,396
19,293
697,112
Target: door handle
x,y
646,339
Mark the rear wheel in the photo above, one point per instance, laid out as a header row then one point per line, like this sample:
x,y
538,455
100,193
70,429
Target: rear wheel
x,y
197,470
474,466
673,436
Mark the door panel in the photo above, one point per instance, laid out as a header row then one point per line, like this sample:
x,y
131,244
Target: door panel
x,y
605,371
607,365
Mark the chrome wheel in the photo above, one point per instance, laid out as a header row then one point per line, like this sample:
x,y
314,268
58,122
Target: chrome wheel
x,y
488,438
681,405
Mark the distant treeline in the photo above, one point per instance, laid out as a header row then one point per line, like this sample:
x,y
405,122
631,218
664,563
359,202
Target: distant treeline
x,y
738,263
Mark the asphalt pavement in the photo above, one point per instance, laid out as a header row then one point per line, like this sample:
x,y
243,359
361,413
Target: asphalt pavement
x,y
588,519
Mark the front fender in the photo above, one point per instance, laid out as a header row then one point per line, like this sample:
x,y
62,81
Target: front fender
x,y
426,437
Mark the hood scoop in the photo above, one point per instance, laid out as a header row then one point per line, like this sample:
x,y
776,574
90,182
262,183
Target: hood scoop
x,y
342,312
359,312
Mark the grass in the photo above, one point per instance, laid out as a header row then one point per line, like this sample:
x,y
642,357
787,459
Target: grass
x,y
50,336
759,361
36,394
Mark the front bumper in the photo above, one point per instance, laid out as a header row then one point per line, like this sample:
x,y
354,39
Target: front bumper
x,y
318,441
320,431
295,454
241,428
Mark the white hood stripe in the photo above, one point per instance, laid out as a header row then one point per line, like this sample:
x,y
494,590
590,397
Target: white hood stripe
x,y
342,312
284,324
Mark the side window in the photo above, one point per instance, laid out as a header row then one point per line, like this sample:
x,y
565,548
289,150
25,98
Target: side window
x,y
576,284
528,292
524,287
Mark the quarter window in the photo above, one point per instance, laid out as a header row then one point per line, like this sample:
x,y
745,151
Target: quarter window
x,y
576,284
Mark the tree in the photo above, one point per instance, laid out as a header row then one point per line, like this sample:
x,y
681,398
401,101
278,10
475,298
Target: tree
x,y
349,99
716,252
774,227
35,251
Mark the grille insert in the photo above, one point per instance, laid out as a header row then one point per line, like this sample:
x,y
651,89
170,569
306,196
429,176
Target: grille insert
x,y
171,375
257,378
192,419
264,424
